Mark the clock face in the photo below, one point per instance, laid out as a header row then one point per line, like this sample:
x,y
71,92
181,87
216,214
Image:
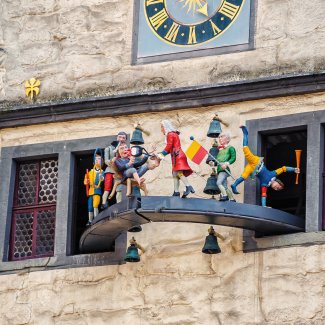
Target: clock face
x,y
167,28
190,22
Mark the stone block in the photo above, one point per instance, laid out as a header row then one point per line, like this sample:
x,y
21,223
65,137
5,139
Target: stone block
x,y
82,66
14,9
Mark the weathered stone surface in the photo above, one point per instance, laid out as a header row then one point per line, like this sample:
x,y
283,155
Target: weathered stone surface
x,y
271,287
15,10
98,34
10,32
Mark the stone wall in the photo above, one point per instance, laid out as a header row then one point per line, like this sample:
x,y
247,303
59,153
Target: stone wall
x,y
174,283
83,48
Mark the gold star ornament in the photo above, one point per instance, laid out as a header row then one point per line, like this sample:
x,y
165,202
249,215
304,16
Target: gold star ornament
x,y
32,87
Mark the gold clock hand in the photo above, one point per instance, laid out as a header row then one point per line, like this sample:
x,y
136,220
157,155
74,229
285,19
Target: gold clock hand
x,y
203,9
192,4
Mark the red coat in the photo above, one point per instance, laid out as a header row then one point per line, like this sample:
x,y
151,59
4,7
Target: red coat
x,y
179,160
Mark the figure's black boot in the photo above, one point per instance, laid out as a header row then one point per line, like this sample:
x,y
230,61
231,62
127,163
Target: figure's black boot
x,y
188,190
176,194
224,198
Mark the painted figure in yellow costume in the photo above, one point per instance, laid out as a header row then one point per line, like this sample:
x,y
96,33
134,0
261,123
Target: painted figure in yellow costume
x,y
93,181
256,167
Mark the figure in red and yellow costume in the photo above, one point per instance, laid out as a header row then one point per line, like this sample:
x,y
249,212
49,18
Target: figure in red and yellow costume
x,y
93,180
180,167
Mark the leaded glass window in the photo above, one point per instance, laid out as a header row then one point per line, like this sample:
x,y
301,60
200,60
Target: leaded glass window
x,y
33,222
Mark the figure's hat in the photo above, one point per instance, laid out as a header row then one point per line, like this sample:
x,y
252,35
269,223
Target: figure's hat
x,y
98,152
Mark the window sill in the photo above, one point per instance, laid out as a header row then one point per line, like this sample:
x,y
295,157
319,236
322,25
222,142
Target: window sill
x,y
252,244
63,261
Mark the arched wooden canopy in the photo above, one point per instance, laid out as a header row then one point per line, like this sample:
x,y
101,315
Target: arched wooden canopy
x,y
110,223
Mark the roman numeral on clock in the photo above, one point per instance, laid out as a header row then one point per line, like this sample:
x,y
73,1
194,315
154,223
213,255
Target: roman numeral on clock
x,y
192,35
172,33
215,28
154,2
158,19
228,9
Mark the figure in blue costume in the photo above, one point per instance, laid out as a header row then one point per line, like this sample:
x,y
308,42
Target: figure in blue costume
x,y
256,167
126,164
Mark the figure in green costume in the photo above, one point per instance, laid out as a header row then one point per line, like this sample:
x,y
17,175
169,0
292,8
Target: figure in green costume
x,y
226,156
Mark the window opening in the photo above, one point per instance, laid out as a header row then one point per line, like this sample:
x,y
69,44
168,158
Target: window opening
x,y
34,208
80,211
278,150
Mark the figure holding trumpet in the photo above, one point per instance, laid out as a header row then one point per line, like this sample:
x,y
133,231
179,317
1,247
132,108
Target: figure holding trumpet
x,y
256,167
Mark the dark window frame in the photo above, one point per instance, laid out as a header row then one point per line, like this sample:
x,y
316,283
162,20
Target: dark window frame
x,y
66,152
314,123
35,207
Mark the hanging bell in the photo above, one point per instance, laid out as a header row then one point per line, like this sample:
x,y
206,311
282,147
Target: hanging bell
x,y
137,137
211,186
132,254
137,228
212,152
215,127
211,243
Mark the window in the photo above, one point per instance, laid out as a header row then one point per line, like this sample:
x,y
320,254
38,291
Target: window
x,y
34,208
280,136
278,149
42,228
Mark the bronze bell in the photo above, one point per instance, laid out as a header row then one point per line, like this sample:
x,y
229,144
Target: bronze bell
x,y
211,187
211,245
215,127
132,254
213,152
136,228
137,137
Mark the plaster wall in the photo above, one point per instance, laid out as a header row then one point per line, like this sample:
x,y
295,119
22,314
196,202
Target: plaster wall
x,y
174,283
84,48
